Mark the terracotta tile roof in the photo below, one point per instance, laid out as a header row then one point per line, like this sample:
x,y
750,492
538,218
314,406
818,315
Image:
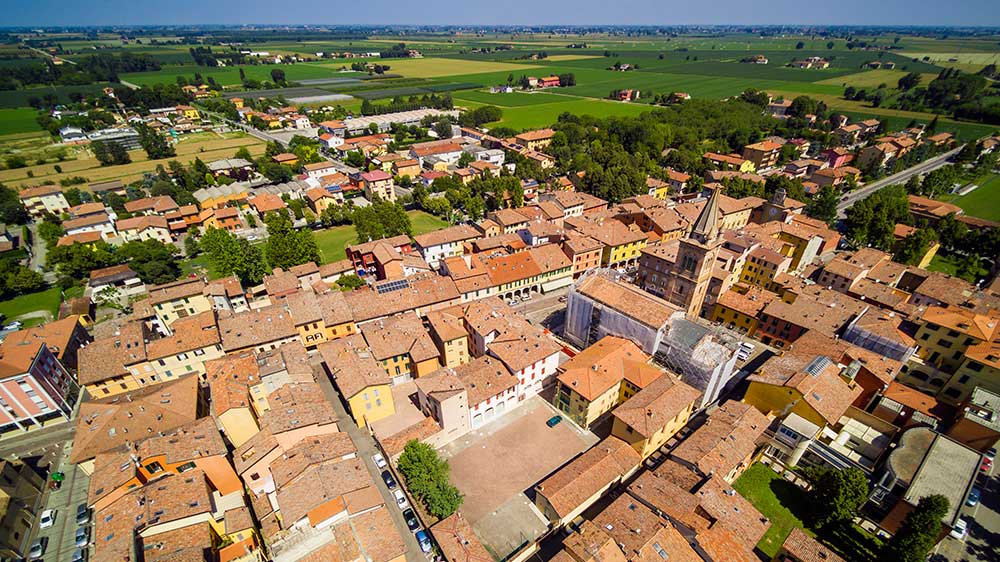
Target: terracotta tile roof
x,y
652,408
39,191
229,379
457,233
170,292
18,349
367,304
297,405
255,327
110,422
918,401
352,365
627,299
89,220
979,326
609,232
311,451
321,484
79,238
521,344
446,325
824,390
192,543
160,204
749,303
536,135
605,364
171,498
549,258
189,333
726,438
817,308
266,203
400,335
641,534
457,540
765,146
86,209
804,548
376,534
108,357
590,544
425,151
484,377
570,486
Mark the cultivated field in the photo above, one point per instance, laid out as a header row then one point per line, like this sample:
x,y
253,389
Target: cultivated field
x,y
207,146
21,120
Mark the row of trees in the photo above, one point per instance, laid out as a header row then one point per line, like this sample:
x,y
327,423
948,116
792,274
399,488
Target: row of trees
x,y
154,261
427,478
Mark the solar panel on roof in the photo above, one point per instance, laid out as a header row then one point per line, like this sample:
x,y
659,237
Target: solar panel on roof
x,y
816,366
392,286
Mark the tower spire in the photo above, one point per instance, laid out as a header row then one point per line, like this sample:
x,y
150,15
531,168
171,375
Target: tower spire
x,y
707,226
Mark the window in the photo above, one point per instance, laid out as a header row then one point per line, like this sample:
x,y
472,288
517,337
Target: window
x,y
154,467
185,467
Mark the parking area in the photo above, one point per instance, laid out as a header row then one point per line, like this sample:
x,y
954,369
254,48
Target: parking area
x,y
980,544
60,536
494,466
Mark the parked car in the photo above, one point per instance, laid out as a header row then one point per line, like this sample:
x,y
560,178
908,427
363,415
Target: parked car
x,y
47,518
82,536
973,498
82,514
15,325
400,499
960,529
411,519
526,298
745,350
991,454
379,461
553,421
390,482
512,302
79,555
986,465
424,540
38,547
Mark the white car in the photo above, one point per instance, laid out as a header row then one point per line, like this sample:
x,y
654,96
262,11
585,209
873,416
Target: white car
x,y
960,529
379,461
400,499
47,519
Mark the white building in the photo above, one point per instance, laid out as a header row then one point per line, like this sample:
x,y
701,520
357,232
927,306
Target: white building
x,y
445,243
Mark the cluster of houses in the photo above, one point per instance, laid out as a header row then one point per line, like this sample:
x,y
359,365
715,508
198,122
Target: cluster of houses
x,y
274,118
171,122
213,407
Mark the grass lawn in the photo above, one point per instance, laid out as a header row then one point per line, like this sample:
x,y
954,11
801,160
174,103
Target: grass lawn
x,y
541,115
20,120
779,500
943,263
333,241
984,201
785,505
47,300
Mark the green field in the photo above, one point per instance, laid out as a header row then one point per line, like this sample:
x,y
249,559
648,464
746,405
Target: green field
x,y
44,301
230,75
22,98
333,241
944,263
20,120
984,201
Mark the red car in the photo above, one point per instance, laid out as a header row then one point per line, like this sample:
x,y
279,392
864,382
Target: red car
x,y
986,465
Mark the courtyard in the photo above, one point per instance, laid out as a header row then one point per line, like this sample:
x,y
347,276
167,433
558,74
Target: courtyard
x,y
496,464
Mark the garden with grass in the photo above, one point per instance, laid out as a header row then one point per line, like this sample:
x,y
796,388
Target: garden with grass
x,y
32,309
788,506
332,242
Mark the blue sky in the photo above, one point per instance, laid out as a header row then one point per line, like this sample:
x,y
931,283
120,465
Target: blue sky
x,y
662,12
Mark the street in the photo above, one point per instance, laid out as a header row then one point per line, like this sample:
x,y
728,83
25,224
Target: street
x,y
921,168
366,447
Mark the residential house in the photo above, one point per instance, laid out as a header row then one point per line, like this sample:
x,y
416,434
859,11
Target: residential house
x,y
655,413
45,199
764,154
601,377
144,228
361,380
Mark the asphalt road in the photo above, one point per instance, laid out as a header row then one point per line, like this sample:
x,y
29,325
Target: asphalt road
x,y
901,177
